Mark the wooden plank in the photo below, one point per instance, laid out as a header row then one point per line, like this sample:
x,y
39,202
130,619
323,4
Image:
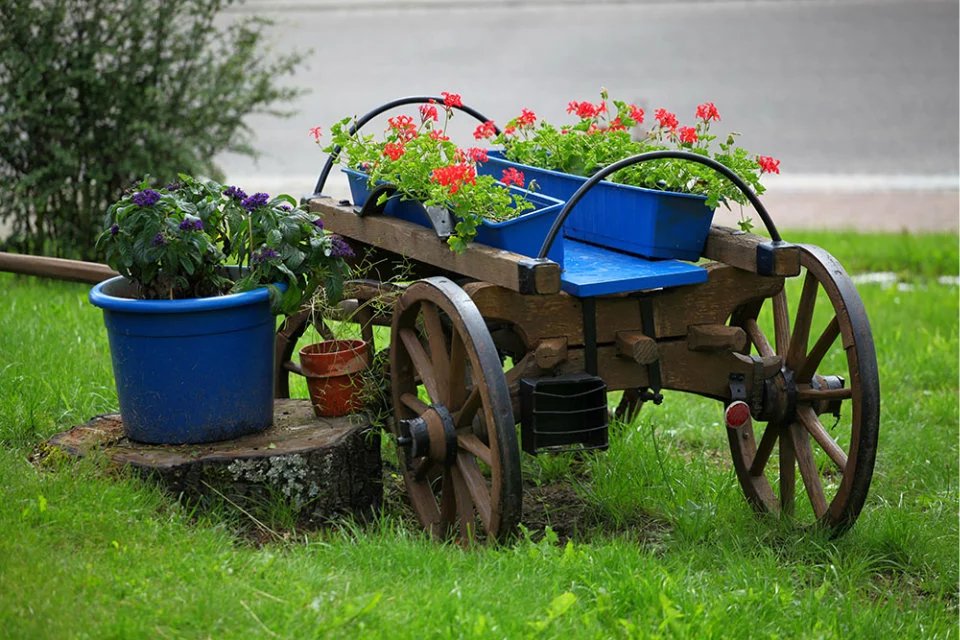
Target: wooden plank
x,y
59,268
593,271
739,249
510,270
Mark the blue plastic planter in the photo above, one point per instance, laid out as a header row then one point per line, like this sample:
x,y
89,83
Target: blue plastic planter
x,y
645,222
187,371
523,234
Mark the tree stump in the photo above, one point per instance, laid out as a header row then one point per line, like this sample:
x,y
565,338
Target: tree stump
x,y
322,467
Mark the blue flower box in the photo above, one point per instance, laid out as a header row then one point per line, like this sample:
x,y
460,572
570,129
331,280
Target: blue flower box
x,y
644,222
523,234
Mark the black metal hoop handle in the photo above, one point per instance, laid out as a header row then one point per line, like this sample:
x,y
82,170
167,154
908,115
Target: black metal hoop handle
x,y
658,155
399,102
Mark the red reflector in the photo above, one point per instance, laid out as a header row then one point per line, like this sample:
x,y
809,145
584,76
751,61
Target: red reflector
x,y
737,414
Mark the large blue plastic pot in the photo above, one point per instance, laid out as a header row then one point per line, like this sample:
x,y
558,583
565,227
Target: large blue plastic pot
x,y
644,222
188,371
523,234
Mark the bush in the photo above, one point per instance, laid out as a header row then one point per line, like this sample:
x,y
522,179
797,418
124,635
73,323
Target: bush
x,y
94,94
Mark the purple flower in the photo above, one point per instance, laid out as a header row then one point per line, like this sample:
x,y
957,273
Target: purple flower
x,y
191,224
318,223
173,186
159,240
254,201
286,207
263,255
145,198
339,247
115,229
235,192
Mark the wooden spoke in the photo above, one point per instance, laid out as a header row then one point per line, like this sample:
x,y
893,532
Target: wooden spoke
x,y
414,403
465,507
788,477
837,490
802,321
764,450
810,422
458,373
781,324
473,444
800,443
813,395
422,466
809,366
421,362
439,357
757,338
476,485
464,417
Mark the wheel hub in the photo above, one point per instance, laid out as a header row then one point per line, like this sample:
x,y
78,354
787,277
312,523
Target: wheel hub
x,y
431,434
780,398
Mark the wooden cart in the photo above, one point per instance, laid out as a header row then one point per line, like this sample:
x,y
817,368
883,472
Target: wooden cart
x,y
487,339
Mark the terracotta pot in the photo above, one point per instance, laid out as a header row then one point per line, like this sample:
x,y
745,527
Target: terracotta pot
x,y
334,372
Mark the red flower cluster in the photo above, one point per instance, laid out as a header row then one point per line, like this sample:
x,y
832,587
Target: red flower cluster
x,y
688,135
666,119
526,118
393,150
707,111
436,134
636,113
428,112
512,176
617,125
404,126
477,154
768,164
586,110
454,176
316,132
485,130
451,99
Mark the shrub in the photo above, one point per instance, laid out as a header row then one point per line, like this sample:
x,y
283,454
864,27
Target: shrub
x,y
95,94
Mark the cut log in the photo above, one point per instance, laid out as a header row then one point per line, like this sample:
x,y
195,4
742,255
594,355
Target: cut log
x,y
322,467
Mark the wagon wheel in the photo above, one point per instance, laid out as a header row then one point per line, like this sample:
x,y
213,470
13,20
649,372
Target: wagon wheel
x,y
834,379
457,484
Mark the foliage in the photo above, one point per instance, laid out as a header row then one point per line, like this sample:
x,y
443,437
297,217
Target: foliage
x,y
426,166
174,242
96,93
601,136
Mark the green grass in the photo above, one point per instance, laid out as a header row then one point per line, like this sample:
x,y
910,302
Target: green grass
x,y
676,553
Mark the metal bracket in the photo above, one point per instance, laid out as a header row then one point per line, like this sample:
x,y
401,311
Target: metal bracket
x,y
738,388
766,256
653,369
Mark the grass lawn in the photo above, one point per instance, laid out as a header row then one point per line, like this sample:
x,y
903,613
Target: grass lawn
x,y
670,547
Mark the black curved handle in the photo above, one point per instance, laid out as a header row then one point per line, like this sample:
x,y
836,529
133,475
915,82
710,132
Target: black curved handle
x,y
658,155
399,102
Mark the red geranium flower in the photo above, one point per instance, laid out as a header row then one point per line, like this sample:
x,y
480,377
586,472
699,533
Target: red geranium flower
x,y
454,176
768,164
316,132
526,118
707,111
666,119
485,130
428,112
404,126
436,134
584,110
477,155
512,176
617,125
451,99
688,134
393,150
509,130
636,113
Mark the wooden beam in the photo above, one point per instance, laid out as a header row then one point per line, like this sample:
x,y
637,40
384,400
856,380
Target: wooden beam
x,y
739,249
504,268
716,337
58,268
637,346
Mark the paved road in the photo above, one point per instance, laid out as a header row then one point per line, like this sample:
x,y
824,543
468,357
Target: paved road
x,y
851,96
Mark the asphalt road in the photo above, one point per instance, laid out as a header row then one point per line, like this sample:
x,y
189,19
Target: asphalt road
x,y
851,96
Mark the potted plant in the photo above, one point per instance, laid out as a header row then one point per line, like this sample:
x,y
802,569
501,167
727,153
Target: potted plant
x,y
658,209
429,170
203,269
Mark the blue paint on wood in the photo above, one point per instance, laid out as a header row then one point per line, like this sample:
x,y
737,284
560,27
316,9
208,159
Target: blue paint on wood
x,y
590,271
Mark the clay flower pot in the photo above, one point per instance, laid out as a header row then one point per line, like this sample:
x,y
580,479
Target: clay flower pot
x,y
334,371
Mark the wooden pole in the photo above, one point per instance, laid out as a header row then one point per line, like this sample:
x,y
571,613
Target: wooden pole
x,y
58,268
